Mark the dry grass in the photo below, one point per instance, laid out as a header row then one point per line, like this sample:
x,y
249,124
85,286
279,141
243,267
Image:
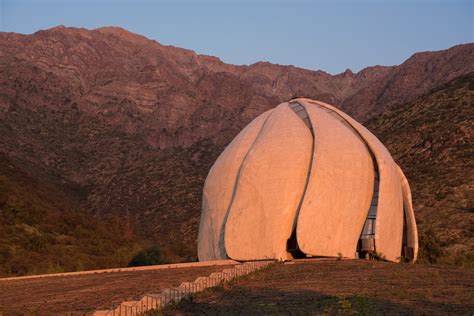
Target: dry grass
x,y
339,287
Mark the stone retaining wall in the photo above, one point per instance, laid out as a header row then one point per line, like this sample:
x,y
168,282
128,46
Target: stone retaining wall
x,y
142,268
175,294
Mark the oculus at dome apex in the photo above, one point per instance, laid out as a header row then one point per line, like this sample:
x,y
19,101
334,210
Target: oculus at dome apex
x,y
305,179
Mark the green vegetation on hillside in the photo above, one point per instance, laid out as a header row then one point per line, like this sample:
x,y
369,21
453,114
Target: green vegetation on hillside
x,y
42,231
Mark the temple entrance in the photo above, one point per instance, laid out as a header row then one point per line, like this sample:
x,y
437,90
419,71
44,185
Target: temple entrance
x,y
293,248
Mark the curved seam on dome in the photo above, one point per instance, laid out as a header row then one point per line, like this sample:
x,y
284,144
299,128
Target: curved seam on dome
x,y
409,215
308,174
211,224
234,190
372,155
212,236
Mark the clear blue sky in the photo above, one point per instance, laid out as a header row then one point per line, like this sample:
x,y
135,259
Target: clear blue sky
x,y
327,35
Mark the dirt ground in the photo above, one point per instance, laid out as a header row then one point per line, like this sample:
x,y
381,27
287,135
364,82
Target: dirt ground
x,y
83,293
340,287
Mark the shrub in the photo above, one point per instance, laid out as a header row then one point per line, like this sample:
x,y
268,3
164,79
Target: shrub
x,y
430,246
149,256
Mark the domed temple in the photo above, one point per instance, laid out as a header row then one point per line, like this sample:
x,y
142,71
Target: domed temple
x,y
306,180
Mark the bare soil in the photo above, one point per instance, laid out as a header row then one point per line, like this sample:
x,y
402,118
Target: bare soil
x,y
340,287
83,293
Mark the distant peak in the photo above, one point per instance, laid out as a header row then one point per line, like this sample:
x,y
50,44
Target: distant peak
x,y
112,29
62,29
348,72
121,32
58,27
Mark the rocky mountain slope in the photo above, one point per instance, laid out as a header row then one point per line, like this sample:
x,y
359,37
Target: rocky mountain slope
x,y
432,139
124,126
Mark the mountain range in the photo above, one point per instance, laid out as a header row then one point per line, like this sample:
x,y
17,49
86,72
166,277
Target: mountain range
x,y
114,133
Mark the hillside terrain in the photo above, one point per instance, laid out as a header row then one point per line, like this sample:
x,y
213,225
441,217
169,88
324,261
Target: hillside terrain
x,y
123,130
42,230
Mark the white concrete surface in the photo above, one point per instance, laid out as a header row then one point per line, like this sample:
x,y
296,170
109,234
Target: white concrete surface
x,y
269,189
219,189
339,191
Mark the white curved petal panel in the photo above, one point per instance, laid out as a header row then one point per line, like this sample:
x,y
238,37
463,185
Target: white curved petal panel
x,y
218,190
269,188
340,187
412,232
389,223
